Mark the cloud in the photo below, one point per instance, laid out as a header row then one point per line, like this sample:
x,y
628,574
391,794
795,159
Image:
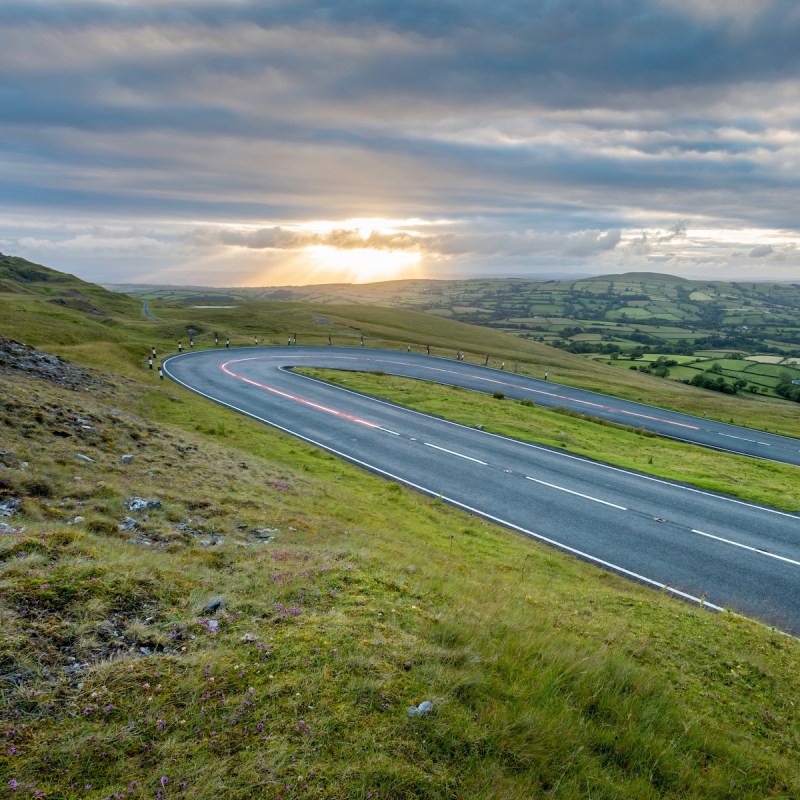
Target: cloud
x,y
279,238
762,251
544,132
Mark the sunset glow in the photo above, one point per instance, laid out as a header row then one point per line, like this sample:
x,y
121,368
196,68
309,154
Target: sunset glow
x,y
362,265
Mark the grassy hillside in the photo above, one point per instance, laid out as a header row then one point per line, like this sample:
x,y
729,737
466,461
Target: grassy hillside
x,y
346,600
231,613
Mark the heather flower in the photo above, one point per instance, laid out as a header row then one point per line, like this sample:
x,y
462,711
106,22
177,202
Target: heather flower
x,y
13,784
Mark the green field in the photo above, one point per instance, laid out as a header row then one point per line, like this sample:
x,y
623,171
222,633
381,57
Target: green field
x,y
756,377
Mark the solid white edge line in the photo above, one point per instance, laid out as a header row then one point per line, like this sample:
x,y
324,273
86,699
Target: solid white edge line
x,y
577,494
555,452
747,547
436,495
453,453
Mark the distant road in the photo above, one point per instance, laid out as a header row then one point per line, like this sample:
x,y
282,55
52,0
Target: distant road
x,y
146,309
695,544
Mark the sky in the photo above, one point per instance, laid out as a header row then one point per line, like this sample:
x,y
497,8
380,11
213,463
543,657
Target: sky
x,y
275,142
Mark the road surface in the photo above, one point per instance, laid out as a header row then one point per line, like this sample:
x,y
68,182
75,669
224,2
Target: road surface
x,y
705,547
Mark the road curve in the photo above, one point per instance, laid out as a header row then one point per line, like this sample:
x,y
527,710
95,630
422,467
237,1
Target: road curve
x,y
698,545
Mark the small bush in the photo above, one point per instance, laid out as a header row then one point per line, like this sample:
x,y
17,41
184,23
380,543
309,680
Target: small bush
x,y
499,396
38,488
99,524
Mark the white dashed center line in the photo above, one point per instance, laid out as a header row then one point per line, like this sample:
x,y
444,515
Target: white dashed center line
x,y
747,547
453,453
578,494
742,438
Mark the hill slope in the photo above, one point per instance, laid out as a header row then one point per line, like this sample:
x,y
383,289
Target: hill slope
x,y
196,605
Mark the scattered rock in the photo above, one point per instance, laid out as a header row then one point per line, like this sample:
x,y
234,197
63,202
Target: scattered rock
x,y
9,507
8,459
82,457
18,357
265,534
140,504
75,521
127,458
128,524
425,707
249,637
145,651
214,606
6,528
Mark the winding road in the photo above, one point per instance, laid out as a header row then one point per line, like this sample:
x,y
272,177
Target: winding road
x,y
723,552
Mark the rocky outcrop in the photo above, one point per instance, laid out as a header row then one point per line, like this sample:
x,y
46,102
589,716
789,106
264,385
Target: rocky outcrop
x,y
16,357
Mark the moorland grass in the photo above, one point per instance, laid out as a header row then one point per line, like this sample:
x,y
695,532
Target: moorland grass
x,y
346,600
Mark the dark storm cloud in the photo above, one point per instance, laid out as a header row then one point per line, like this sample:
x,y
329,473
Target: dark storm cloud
x,y
568,54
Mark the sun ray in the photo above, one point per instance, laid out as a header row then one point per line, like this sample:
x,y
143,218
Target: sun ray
x,y
363,265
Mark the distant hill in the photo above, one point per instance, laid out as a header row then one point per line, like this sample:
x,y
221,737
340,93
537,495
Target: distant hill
x,y
20,276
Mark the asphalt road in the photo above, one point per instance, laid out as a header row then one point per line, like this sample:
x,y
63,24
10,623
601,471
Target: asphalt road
x,y
695,544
